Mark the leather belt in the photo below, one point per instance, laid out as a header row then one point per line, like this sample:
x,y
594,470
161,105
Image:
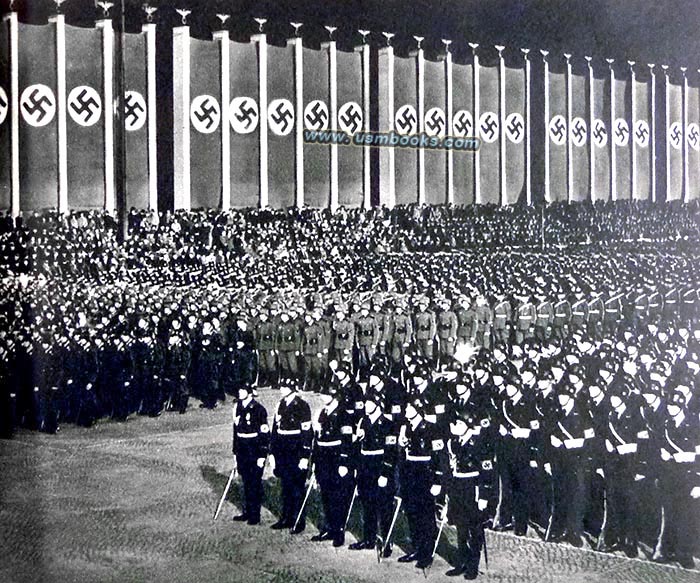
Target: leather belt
x,y
247,435
334,443
371,451
417,458
289,431
465,474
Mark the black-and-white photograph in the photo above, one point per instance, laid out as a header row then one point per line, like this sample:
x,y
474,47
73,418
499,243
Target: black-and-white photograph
x,y
353,291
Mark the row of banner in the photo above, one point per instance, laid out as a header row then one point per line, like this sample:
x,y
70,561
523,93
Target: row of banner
x,y
242,113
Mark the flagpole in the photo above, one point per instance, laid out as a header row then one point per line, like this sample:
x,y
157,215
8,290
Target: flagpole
x,y
120,130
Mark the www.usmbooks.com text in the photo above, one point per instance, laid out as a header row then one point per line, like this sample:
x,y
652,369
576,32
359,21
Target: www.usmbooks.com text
x,y
392,140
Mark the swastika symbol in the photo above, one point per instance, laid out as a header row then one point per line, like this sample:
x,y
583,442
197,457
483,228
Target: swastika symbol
x,y
462,123
205,114
579,131
4,105
38,105
515,127
557,129
600,133
243,115
316,116
622,132
350,117
135,112
435,122
641,133
675,135
693,135
406,120
488,127
280,116
84,106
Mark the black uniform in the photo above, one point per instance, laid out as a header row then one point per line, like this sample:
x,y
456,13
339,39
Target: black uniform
x,y
251,440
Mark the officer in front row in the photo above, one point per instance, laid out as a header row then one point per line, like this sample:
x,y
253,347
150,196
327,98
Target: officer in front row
x,y
470,480
420,480
290,444
332,461
251,437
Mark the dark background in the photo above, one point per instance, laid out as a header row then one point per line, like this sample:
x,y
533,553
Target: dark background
x,y
647,31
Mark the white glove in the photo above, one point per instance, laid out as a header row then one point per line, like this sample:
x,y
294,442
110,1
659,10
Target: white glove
x,y
482,504
403,440
342,471
304,463
533,464
665,455
548,468
271,462
435,490
638,477
382,481
360,435
261,462
695,492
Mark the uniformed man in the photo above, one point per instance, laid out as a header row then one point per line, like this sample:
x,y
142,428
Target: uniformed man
x,y
579,313
177,364
465,320
333,464
525,315
402,334
265,335
383,320
420,479
251,436
343,339
288,345
470,481
544,318
425,329
375,462
367,334
290,444
596,311
447,325
483,320
206,373
314,347
501,321
562,316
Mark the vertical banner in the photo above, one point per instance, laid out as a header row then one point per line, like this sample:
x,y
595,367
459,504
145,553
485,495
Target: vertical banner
x,y
642,113
282,122
136,121
86,115
579,137
435,124
463,126
385,123
693,138
621,134
205,119
5,116
556,164
38,128
245,119
515,128
674,138
600,138
489,125
406,123
317,118
351,119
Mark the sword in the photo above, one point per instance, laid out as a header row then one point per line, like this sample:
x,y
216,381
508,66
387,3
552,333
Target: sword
x,y
312,481
352,501
443,520
393,523
223,497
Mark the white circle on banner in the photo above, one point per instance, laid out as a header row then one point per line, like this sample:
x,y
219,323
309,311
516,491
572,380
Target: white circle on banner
x,y
4,105
406,120
244,115
205,114
693,136
578,131
316,115
434,122
280,117
462,123
641,133
38,105
350,118
515,127
135,112
488,127
599,133
621,133
557,130
84,106
675,135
